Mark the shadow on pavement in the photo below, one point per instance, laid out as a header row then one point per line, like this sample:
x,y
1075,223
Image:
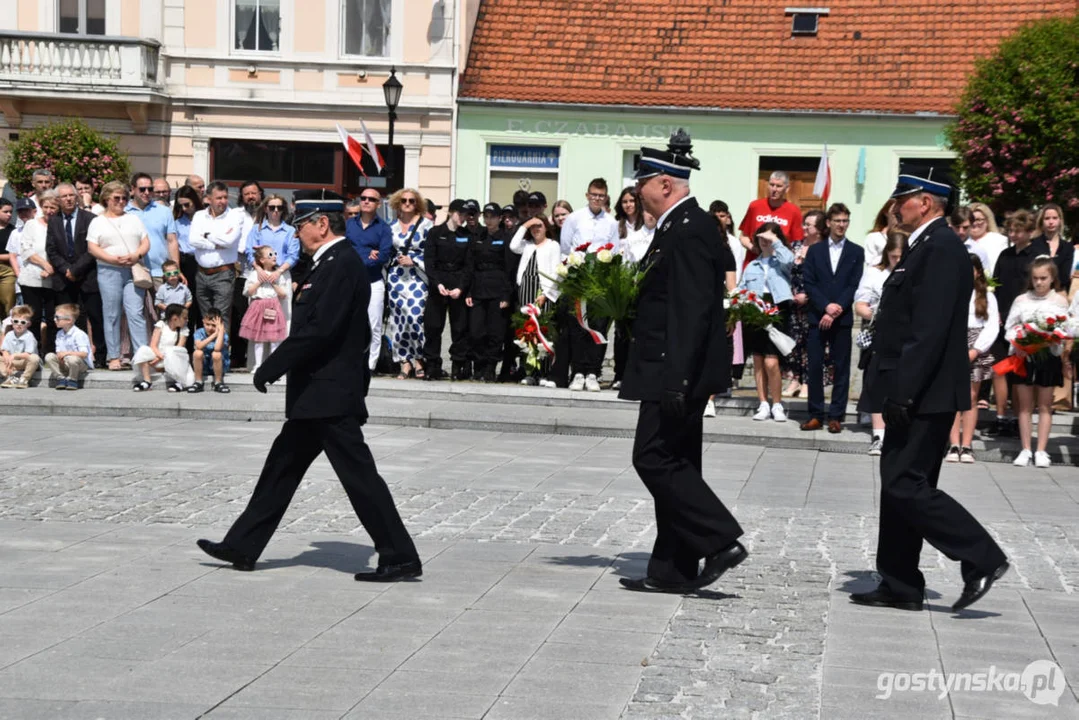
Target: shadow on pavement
x,y
340,556
625,564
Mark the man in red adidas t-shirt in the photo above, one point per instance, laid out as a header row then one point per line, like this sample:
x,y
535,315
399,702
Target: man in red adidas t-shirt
x,y
774,208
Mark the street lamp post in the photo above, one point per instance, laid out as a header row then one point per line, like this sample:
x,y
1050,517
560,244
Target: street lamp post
x,y
392,90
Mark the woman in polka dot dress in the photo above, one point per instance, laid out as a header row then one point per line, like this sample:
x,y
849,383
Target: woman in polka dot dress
x,y
406,281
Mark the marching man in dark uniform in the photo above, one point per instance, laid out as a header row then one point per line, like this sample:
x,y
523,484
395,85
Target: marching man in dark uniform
x,y
325,358
489,294
677,360
920,375
448,281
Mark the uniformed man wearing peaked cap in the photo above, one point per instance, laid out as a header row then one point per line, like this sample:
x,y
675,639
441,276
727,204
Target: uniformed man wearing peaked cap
x,y
325,358
677,360
920,375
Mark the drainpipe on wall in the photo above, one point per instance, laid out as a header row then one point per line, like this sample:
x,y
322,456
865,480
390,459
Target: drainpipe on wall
x,y
458,6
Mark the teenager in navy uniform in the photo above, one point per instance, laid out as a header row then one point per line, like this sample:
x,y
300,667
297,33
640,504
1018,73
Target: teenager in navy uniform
x,y
677,360
920,375
448,280
510,372
489,294
324,357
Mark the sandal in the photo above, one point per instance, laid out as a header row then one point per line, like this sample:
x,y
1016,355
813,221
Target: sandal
x,y
196,388
175,387
406,371
142,386
114,365
419,374
221,388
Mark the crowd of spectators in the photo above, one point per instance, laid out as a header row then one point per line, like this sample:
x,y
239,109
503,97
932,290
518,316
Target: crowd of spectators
x,y
178,285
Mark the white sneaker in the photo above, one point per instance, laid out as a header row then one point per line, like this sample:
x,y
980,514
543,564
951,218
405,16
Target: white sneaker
x,y
591,384
578,383
1041,459
875,446
547,383
710,409
616,385
529,381
778,413
1023,459
764,412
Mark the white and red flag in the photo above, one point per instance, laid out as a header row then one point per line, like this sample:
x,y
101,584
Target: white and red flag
x,y
356,149
822,188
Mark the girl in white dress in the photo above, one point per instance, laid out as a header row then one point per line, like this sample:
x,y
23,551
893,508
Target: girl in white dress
x,y
166,353
1044,371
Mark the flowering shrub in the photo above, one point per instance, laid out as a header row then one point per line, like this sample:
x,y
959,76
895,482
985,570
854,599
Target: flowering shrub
x,y
67,147
1017,130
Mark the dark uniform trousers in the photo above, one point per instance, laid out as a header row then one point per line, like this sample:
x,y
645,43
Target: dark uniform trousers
x,y
622,333
587,356
237,345
691,522
434,321
913,509
300,442
189,268
487,328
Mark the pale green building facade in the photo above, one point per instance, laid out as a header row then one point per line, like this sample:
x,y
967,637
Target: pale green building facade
x,y
558,149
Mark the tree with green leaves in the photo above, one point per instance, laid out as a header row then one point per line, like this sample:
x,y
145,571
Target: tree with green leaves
x,y
1017,131
68,148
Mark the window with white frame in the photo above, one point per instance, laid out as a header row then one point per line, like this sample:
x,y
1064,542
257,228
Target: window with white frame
x,y
81,17
367,27
257,25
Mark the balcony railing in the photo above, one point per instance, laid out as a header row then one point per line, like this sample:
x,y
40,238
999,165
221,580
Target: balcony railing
x,y
89,62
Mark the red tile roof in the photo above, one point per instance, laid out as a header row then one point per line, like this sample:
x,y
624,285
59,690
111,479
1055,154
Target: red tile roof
x,y
887,56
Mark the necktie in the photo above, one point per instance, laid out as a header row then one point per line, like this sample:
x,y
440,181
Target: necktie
x,y
70,237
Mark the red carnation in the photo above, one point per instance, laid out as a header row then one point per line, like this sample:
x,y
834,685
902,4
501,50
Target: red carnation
x,y
582,248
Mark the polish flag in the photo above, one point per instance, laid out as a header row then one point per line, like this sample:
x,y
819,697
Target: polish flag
x,y
352,147
372,149
823,186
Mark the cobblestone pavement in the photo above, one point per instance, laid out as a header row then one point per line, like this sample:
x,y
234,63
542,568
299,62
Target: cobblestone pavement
x,y
560,517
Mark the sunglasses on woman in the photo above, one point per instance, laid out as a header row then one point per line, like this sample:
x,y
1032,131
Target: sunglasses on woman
x,y
408,201
275,208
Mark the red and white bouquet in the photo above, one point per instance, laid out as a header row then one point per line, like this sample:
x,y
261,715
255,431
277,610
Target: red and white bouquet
x,y
1038,333
753,311
531,328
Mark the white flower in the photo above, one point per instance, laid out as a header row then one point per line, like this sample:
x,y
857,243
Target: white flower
x,y
604,256
727,304
562,271
575,259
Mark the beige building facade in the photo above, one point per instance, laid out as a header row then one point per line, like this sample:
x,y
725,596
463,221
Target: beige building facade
x,y
238,89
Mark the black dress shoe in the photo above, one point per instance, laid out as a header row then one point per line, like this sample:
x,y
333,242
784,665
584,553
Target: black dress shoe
x,y
718,563
974,589
647,584
392,573
222,552
883,597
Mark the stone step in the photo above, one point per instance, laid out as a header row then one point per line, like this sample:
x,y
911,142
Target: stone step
x,y
616,419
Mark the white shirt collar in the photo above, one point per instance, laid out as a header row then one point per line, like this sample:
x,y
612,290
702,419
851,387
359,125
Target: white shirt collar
x,y
836,244
322,250
659,223
918,232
